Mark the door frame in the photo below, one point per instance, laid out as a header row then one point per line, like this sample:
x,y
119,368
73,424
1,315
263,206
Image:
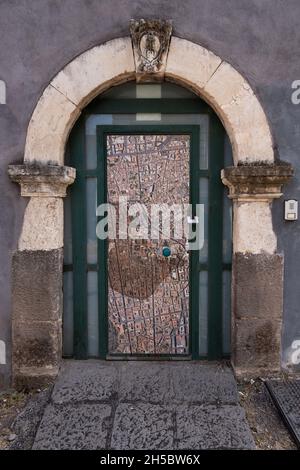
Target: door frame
x,y
214,265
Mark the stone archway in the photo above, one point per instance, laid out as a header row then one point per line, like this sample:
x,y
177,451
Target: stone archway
x,y
254,182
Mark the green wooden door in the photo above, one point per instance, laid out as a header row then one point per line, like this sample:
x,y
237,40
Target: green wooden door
x,y
87,289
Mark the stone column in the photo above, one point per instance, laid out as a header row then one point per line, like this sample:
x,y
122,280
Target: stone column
x,y
257,271
37,275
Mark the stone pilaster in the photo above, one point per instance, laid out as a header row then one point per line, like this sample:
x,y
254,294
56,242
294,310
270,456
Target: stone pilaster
x,y
37,275
257,270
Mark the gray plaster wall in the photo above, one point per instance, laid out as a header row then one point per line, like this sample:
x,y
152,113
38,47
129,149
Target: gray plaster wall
x,y
260,38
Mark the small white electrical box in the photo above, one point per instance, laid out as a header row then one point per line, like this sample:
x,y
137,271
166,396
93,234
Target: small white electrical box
x,y
291,209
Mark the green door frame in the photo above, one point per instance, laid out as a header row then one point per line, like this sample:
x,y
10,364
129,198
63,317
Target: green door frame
x,y
214,266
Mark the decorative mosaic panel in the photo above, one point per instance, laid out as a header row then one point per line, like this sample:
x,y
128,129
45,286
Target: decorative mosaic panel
x,y
148,298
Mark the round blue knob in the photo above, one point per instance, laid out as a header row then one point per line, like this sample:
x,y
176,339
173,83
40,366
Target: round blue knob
x,y
166,251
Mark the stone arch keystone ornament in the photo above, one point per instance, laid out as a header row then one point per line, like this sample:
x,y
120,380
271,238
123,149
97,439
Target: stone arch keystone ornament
x,y
151,54
150,41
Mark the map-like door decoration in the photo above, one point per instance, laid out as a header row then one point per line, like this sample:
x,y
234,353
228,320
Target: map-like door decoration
x,y
148,279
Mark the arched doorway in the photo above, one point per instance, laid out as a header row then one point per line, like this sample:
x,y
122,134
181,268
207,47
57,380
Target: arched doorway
x,y
155,144
254,181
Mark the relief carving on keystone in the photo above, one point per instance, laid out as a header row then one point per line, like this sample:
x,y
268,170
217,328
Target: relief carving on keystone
x,y
150,42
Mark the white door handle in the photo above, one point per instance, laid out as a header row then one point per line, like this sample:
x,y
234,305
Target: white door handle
x,y
194,220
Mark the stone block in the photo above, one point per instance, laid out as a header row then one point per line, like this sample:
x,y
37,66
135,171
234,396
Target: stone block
x,y
146,384
73,427
256,344
250,235
243,115
36,344
91,380
203,383
257,312
34,378
162,383
258,286
142,426
100,67
43,224
27,422
36,317
212,427
37,286
49,127
191,62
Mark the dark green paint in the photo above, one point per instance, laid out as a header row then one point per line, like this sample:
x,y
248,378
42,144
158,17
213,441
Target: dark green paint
x,y
214,266
78,214
164,106
215,236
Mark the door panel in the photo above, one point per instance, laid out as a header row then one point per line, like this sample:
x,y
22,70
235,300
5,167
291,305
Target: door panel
x,y
148,293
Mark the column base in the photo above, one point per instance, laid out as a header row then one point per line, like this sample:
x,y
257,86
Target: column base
x,y
257,313
33,378
36,320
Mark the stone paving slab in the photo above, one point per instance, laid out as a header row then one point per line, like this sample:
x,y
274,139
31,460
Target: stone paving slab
x,y
27,422
147,383
85,381
73,427
212,427
203,383
177,382
142,427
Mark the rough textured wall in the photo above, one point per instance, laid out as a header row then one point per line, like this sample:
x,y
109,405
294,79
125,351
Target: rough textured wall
x,y
259,38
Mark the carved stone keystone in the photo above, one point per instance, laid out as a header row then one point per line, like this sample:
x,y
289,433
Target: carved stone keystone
x,y
150,42
256,182
42,180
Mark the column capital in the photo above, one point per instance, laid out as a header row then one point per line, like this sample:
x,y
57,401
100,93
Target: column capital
x,y
256,182
42,180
